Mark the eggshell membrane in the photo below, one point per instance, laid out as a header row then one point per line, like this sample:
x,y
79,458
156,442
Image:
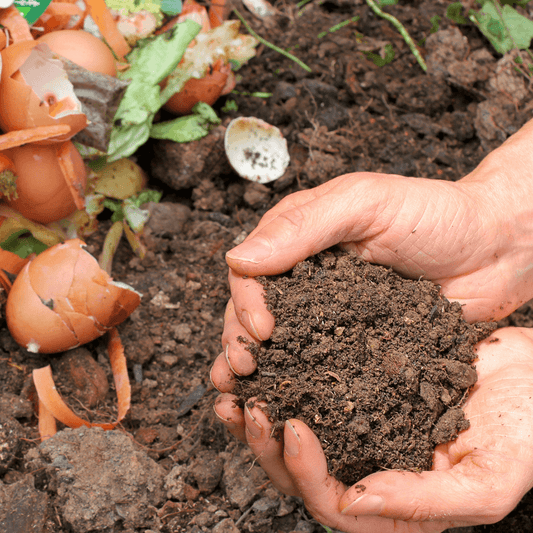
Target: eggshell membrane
x,y
20,107
82,48
30,321
43,193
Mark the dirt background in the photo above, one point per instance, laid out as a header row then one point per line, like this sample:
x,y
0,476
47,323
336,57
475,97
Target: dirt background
x,y
171,467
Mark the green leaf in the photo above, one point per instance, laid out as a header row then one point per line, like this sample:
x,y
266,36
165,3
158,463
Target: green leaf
x,y
455,12
379,60
171,7
230,105
507,31
145,196
152,60
189,128
435,20
521,3
23,243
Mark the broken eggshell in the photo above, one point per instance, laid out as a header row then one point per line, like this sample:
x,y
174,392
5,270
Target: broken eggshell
x,y
256,150
35,91
43,193
62,299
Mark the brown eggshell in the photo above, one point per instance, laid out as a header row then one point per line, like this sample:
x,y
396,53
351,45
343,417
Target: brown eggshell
x,y
85,328
207,89
85,301
33,324
82,48
43,193
20,107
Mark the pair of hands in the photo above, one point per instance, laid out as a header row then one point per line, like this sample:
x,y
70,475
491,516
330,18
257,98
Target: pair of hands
x,y
471,238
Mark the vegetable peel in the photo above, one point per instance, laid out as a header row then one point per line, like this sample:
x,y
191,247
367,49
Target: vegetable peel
x,y
52,406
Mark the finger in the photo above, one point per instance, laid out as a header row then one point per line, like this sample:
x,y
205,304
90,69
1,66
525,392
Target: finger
x,y
305,229
221,375
306,463
234,337
466,494
267,448
248,297
230,415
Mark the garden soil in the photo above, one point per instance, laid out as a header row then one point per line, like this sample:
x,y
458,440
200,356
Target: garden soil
x,y
377,365
170,466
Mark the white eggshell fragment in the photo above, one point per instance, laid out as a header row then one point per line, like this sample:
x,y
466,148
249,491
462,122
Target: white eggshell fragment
x,y
256,150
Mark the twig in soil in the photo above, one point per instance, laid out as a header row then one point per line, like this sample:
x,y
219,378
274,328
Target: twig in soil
x,y
269,44
400,27
244,515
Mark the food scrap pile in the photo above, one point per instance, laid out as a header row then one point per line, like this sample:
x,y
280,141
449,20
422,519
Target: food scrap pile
x,y
80,90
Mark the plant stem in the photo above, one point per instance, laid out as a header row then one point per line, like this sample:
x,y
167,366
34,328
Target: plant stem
x,y
270,45
399,26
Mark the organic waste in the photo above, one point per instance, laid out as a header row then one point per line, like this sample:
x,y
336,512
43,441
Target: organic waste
x,y
54,188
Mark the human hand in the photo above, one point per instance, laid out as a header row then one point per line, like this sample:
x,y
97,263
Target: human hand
x,y
476,479
470,237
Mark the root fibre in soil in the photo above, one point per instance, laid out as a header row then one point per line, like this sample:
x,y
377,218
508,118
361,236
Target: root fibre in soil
x,y
377,365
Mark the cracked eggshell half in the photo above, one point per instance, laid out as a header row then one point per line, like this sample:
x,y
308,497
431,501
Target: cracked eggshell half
x,y
256,150
62,299
35,91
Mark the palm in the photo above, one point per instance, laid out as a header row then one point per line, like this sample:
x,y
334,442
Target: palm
x,y
477,479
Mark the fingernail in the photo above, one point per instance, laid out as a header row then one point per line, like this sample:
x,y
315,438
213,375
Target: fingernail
x,y
368,504
248,323
227,385
226,353
252,425
221,418
292,441
253,251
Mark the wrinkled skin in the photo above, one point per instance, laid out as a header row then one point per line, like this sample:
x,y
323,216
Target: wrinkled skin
x,y
472,237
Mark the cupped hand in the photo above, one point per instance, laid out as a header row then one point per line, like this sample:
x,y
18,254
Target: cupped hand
x,y
473,237
476,479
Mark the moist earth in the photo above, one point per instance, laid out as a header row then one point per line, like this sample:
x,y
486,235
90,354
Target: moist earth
x,y
348,114
377,365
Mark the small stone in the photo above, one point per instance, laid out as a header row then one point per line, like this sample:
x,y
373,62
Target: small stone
x,y
124,487
226,526
169,360
78,370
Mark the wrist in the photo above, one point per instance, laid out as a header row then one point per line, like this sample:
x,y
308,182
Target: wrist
x,y
502,188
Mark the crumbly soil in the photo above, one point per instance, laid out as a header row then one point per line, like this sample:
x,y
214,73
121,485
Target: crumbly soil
x,y
182,472
377,365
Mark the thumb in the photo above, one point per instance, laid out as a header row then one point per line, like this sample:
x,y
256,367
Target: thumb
x,y
478,490
308,222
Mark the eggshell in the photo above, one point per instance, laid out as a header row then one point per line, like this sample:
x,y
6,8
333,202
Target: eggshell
x,y
43,193
256,150
21,107
82,48
207,89
62,299
32,323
